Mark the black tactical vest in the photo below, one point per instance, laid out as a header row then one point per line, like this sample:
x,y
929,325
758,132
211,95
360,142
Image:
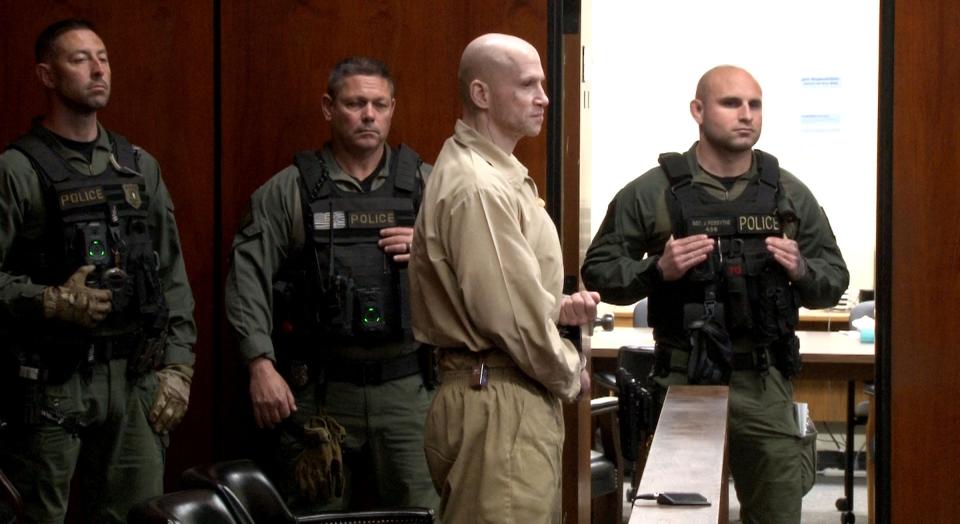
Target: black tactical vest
x,y
355,293
101,221
752,290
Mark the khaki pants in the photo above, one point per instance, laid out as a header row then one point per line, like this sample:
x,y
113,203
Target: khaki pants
x,y
495,453
120,457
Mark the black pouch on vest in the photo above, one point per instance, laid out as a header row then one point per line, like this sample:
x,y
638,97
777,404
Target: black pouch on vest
x,y
786,354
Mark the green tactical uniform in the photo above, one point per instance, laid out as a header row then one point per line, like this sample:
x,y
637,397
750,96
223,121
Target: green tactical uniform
x,y
383,449
97,419
772,467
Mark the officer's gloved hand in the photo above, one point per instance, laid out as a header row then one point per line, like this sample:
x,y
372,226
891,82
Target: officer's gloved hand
x,y
76,303
173,395
319,468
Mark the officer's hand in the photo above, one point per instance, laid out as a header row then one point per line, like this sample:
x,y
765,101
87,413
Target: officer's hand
x,y
579,308
272,399
679,255
396,241
787,253
173,396
76,303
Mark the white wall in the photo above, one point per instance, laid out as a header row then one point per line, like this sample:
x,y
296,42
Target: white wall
x,y
816,62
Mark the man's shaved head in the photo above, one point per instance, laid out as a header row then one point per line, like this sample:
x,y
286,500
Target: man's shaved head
x,y
706,82
486,57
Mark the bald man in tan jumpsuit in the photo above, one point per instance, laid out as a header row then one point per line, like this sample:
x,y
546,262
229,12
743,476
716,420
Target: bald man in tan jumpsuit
x,y
486,276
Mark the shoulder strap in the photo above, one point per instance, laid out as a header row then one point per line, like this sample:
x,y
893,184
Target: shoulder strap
x,y
49,165
123,151
313,175
678,173
769,168
676,168
405,168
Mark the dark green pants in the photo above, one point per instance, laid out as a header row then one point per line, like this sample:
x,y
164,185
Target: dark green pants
x,y
115,450
384,461
772,467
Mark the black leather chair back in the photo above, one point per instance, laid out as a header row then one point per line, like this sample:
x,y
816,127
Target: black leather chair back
x,y
246,490
253,499
195,506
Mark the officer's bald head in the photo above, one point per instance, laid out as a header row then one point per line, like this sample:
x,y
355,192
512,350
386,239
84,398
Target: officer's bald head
x,y
721,74
487,57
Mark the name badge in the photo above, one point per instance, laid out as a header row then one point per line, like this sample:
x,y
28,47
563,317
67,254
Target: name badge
x,y
711,226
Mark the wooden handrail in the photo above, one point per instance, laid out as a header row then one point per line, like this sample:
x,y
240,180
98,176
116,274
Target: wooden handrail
x,y
688,454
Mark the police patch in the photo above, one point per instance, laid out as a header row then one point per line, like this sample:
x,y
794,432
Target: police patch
x,y
372,219
758,225
131,193
82,197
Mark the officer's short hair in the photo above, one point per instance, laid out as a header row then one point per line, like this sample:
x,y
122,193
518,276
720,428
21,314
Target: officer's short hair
x,y
357,65
43,48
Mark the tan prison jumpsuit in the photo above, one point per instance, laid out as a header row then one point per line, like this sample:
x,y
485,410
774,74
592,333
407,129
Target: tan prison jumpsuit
x,y
486,277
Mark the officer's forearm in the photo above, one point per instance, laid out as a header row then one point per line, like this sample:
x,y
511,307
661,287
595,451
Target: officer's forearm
x,y
20,298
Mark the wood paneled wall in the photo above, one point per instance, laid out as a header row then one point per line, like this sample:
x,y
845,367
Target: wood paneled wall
x,y
924,415
277,55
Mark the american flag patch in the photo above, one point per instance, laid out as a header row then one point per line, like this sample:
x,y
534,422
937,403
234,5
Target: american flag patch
x,y
321,220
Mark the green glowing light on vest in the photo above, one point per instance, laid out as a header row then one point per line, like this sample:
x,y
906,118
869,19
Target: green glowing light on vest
x,y
371,315
96,249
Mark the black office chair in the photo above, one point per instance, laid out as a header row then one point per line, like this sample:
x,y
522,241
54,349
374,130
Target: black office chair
x,y
606,463
253,499
858,417
637,408
194,506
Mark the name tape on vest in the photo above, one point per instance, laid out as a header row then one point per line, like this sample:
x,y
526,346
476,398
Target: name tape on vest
x,y
737,225
355,220
82,197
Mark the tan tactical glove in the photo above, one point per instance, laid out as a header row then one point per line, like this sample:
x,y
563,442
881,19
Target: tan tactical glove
x,y
173,395
319,468
76,303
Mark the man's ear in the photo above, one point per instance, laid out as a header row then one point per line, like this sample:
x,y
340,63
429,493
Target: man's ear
x,y
326,105
45,74
480,94
696,110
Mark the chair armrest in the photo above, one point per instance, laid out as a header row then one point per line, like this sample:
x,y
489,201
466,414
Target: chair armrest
x,y
601,405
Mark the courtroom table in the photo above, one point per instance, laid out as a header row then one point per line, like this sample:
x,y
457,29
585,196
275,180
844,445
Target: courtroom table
x,y
826,355
688,454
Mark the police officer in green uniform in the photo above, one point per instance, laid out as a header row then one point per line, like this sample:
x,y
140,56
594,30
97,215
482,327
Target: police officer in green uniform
x,y
727,246
317,296
96,314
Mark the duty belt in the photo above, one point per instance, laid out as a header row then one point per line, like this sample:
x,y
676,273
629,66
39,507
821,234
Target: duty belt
x,y
105,349
758,359
372,372
745,361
